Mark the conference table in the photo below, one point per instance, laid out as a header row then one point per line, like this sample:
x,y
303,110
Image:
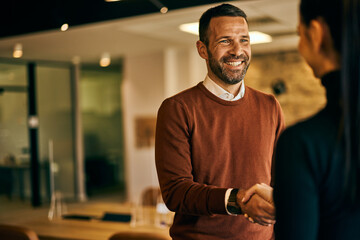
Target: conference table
x,y
84,222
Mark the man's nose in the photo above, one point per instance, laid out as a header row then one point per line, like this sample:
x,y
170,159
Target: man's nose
x,y
236,49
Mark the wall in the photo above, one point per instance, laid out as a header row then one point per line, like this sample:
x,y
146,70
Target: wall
x,y
304,94
142,92
150,78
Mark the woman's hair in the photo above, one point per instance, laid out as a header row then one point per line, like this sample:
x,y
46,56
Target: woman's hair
x,y
218,11
343,19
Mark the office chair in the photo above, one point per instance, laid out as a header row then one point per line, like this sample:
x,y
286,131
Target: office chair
x,y
10,232
138,236
150,196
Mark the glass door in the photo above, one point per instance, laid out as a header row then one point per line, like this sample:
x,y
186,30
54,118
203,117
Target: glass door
x,y
56,128
14,135
25,148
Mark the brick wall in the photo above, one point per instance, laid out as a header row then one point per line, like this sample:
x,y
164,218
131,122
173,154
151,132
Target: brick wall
x,y
304,94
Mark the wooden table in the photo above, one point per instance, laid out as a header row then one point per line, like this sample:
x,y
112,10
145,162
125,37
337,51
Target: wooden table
x,y
70,229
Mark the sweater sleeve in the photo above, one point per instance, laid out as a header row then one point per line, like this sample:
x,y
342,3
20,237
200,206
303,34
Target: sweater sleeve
x,y
295,190
173,163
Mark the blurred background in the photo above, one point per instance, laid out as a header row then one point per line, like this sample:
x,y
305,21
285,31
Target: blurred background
x,y
81,83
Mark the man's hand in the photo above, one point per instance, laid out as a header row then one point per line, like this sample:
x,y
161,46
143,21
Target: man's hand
x,y
256,208
263,190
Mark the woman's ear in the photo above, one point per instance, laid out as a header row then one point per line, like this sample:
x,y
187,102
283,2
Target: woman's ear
x,y
316,34
321,36
202,49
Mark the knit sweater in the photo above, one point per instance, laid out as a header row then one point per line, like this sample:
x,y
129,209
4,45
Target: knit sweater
x,y
205,145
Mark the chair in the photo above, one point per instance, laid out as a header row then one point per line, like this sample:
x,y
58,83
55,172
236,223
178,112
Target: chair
x,y
10,232
138,236
150,196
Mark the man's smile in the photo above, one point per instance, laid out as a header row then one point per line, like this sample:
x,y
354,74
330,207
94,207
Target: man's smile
x,y
235,64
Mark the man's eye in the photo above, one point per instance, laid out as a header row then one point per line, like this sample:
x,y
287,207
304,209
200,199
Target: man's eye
x,y
224,41
245,40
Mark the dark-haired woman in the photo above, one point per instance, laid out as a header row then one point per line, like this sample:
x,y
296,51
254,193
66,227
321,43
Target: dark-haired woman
x,y
317,166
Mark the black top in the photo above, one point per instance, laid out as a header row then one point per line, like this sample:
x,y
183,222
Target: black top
x,y
309,177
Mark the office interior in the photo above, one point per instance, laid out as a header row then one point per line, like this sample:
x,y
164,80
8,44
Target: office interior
x,y
69,125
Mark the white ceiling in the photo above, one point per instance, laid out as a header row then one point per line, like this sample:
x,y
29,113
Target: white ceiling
x,y
139,35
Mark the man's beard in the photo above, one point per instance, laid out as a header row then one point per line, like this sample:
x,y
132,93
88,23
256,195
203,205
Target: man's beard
x,y
225,75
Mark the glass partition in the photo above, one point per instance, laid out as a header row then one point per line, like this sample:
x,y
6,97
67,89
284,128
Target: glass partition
x,y
14,136
55,114
103,131
56,133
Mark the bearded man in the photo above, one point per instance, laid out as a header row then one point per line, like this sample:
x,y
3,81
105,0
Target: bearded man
x,y
215,141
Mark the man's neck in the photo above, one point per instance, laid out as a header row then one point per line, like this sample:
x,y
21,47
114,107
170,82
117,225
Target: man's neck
x,y
231,88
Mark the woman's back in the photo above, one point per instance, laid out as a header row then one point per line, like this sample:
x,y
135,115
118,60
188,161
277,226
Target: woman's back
x,y
317,162
309,178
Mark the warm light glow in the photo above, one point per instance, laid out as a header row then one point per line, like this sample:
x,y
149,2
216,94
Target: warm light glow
x,y
112,0
255,36
192,28
64,27
33,121
164,10
18,52
259,37
76,60
105,60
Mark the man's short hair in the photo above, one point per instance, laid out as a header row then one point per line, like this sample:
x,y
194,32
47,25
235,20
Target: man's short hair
x,y
223,10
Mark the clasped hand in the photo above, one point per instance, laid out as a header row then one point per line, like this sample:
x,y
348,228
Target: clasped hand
x,y
257,204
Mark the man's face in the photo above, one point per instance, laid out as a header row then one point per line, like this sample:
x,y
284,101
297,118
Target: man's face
x,y
228,50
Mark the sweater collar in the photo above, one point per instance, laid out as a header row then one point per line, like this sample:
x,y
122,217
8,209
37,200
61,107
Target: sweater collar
x,y
218,91
331,81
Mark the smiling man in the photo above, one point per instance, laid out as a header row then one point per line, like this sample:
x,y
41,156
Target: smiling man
x,y
215,140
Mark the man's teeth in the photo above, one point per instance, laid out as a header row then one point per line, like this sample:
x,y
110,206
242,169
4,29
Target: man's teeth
x,y
234,63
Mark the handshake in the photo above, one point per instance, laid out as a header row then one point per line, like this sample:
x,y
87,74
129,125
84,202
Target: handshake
x,y
257,204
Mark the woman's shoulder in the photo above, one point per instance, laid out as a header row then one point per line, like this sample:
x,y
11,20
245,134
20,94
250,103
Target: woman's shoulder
x,y
316,135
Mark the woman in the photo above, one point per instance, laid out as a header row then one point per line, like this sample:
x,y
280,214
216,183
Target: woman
x,y
317,167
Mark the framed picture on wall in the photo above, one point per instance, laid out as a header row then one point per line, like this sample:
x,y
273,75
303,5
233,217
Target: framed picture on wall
x,y
145,131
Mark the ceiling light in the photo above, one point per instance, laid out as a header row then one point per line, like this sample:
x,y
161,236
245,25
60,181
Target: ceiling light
x,y
105,60
164,10
255,36
64,27
112,0
259,37
158,4
18,50
192,28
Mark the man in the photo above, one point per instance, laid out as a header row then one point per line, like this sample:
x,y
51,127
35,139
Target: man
x,y
216,140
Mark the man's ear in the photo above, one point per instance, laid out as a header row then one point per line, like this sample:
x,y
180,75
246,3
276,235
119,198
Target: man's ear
x,y
202,49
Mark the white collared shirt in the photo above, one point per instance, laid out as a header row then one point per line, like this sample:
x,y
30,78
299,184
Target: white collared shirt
x,y
218,91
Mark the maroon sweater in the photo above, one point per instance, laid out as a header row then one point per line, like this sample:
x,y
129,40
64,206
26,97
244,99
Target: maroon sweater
x,y
205,145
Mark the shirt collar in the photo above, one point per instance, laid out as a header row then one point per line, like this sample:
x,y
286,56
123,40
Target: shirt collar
x,y
218,91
